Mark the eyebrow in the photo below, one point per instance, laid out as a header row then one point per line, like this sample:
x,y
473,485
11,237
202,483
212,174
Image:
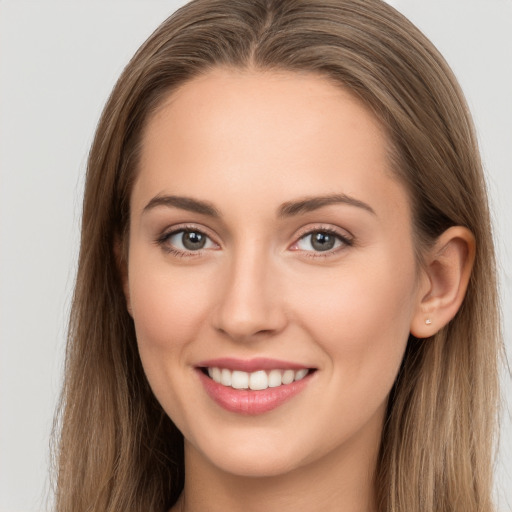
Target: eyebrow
x,y
184,203
309,204
288,209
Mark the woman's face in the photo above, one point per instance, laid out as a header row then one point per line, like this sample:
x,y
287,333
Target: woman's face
x,y
270,241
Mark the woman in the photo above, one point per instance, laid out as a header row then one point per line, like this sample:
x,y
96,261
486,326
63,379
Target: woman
x,y
286,294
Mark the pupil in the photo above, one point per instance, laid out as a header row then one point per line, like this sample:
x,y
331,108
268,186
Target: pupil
x,y
193,240
322,241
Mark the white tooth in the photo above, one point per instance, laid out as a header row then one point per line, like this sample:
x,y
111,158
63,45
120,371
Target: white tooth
x,y
239,380
216,374
225,378
210,372
274,378
258,380
288,376
300,374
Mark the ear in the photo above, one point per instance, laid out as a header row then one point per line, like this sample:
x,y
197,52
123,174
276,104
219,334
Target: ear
x,y
122,268
443,286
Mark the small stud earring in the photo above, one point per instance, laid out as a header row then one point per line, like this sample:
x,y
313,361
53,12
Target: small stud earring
x,y
428,321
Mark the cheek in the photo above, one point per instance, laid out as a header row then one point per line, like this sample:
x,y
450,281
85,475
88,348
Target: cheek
x,y
168,304
361,315
169,308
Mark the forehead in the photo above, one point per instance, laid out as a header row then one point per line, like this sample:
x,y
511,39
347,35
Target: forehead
x,y
264,133
252,103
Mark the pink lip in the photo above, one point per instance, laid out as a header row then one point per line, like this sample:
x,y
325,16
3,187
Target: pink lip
x,y
250,365
248,402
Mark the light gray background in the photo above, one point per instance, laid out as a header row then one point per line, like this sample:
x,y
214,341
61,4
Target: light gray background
x,y
58,62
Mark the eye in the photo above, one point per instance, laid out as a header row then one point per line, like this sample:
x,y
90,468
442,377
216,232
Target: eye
x,y
187,240
321,241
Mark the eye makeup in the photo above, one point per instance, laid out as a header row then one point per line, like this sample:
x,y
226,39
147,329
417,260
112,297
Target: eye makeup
x,y
192,241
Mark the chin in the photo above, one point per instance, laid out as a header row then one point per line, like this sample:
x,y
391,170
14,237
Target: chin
x,y
255,460
261,466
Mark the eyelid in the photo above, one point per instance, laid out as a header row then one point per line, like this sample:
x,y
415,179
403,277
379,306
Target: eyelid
x,y
167,233
329,228
343,235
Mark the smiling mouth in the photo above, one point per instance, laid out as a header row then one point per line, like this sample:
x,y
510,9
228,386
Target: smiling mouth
x,y
257,380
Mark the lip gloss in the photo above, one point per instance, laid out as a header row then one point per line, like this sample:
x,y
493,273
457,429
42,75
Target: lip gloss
x,y
249,402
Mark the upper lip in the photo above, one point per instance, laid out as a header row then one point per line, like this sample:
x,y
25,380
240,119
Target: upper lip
x,y
251,365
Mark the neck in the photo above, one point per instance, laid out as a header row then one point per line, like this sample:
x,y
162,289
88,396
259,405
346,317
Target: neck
x,y
341,480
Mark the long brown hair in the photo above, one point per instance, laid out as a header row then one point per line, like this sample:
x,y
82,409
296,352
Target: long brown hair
x,y
118,450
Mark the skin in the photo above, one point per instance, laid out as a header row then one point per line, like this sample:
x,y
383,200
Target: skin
x,y
249,142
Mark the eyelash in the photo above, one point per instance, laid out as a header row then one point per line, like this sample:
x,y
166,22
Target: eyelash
x,y
346,241
163,240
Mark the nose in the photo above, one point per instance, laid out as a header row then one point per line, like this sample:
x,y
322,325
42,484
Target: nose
x,y
251,304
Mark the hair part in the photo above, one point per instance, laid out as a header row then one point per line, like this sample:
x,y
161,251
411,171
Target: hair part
x,y
118,449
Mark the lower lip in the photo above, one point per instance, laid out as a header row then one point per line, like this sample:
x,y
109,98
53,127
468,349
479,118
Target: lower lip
x,y
248,402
